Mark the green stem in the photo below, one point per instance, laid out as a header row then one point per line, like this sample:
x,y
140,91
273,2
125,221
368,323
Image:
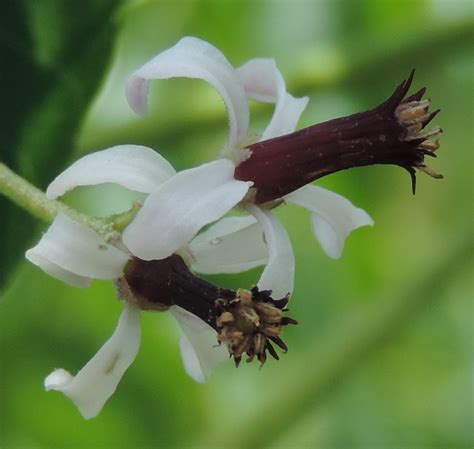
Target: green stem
x,y
121,221
34,201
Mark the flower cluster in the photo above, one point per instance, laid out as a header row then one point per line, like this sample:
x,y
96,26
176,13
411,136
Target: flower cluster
x,y
180,228
259,79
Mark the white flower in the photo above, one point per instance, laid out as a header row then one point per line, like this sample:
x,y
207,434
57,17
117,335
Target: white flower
x,y
178,204
333,216
177,207
75,254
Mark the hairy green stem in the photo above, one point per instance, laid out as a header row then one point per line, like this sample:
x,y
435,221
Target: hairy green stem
x,y
34,201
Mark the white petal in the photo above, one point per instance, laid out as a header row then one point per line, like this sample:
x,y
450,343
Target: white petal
x,y
37,257
132,166
334,217
286,116
74,253
232,245
98,379
195,58
172,215
199,347
278,275
264,82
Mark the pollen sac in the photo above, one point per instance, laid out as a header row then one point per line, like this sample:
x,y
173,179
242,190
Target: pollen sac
x,y
250,322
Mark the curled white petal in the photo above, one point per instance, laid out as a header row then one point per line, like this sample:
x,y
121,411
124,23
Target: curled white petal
x,y
278,275
286,116
172,215
132,166
194,58
264,82
97,380
333,216
232,245
74,253
199,346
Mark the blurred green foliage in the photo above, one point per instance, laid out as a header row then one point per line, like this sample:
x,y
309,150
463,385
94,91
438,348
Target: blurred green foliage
x,y
53,56
412,270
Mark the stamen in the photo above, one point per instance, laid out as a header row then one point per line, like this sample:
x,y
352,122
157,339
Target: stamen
x,y
426,135
414,110
430,172
430,146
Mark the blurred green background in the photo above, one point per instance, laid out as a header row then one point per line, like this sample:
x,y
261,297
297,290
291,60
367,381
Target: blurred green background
x,y
383,355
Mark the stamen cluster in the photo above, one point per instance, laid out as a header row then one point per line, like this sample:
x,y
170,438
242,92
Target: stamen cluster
x,y
250,322
413,115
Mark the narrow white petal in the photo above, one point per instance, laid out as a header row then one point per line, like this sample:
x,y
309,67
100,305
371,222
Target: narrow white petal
x,y
286,116
199,346
232,245
74,253
172,215
334,217
264,82
278,275
98,379
136,92
194,58
132,166
38,258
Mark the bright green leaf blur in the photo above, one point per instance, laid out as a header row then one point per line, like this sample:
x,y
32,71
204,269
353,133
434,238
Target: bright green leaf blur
x,y
412,389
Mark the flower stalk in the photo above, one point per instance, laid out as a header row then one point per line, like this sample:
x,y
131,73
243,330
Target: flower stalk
x,y
34,201
392,133
27,196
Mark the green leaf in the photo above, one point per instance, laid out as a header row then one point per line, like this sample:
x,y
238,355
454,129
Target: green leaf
x,y
53,56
